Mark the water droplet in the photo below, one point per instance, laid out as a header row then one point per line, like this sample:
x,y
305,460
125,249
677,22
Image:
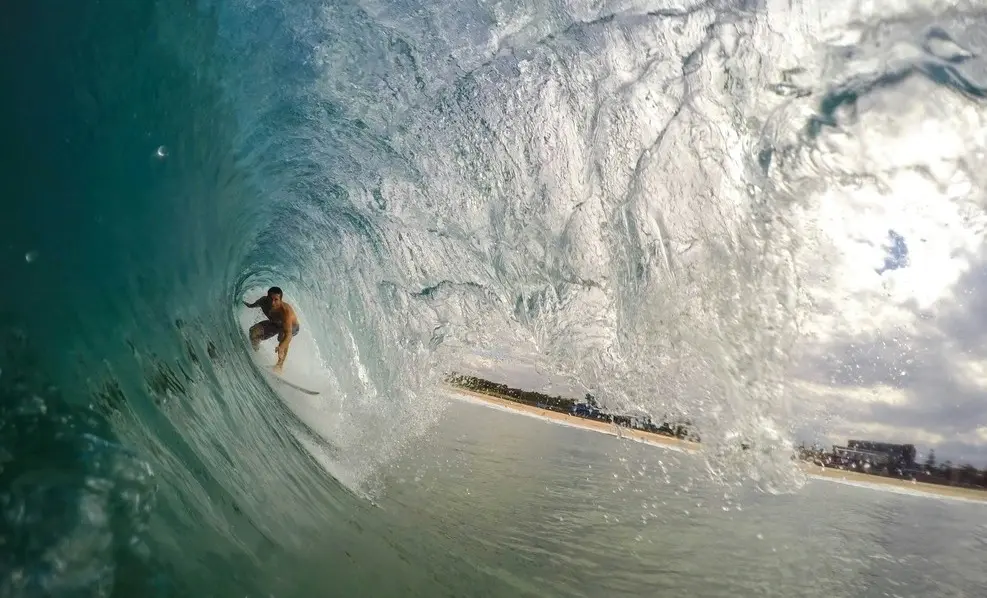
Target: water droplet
x,y
30,256
162,152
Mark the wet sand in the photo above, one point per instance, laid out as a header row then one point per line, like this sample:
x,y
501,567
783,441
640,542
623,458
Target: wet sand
x,y
822,473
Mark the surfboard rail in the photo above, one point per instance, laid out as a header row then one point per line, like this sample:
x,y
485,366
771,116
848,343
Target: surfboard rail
x,y
271,373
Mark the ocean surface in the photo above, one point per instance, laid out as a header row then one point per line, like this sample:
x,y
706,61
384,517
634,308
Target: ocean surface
x,y
536,509
614,190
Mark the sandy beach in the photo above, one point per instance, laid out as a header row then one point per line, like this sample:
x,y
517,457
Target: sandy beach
x,y
906,486
814,471
579,422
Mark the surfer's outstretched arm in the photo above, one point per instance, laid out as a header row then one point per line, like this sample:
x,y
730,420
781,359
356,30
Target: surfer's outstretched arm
x,y
254,304
285,337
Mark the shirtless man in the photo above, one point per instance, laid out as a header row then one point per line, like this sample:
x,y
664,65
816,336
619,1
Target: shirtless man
x,y
281,321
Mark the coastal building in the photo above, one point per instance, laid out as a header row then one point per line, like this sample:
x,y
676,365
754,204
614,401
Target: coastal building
x,y
869,454
898,455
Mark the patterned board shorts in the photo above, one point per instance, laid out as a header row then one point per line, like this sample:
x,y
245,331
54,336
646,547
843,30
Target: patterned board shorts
x,y
269,329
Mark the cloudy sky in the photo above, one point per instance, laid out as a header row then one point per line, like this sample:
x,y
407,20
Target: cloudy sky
x,y
918,371
897,269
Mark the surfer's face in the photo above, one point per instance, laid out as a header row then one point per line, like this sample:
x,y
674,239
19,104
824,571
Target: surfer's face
x,y
275,301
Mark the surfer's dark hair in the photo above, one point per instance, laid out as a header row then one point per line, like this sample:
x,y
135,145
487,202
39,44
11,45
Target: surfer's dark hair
x,y
275,291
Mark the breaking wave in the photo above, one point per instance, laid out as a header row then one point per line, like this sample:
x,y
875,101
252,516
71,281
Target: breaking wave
x,y
642,197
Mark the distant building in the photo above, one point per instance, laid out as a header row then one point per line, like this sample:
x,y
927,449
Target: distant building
x,y
898,455
880,455
846,456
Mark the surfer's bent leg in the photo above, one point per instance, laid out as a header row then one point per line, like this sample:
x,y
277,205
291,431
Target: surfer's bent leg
x,y
261,331
294,332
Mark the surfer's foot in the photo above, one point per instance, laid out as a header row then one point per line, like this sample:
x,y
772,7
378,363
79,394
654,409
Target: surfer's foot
x,y
255,345
278,369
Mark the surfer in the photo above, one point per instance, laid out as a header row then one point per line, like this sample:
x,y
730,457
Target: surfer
x,y
281,321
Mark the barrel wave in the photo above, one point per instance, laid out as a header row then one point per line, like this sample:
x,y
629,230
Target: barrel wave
x,y
622,192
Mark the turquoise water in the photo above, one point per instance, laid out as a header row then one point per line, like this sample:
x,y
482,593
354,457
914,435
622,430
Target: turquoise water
x,y
424,181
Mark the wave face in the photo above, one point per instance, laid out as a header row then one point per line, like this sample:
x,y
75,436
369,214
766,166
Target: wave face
x,y
623,192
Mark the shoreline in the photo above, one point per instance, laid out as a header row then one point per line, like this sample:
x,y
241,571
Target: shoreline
x,y
866,480
574,421
814,472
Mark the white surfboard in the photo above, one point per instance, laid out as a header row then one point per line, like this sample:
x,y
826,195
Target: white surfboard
x,y
270,372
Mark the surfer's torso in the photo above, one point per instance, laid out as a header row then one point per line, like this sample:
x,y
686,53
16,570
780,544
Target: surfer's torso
x,y
275,315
